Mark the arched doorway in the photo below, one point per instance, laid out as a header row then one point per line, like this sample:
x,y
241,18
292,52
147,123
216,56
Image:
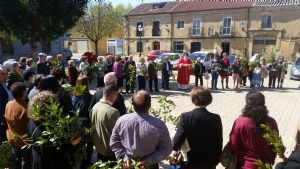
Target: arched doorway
x,y
195,47
156,45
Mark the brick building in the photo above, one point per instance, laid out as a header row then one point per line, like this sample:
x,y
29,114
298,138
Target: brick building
x,y
231,26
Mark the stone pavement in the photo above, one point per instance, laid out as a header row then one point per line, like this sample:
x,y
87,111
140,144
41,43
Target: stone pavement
x,y
283,105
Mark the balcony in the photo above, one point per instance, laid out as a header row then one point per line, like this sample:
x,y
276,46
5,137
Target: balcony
x,y
196,32
155,32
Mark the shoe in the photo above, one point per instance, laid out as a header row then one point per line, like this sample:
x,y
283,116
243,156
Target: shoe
x,y
157,91
216,88
168,88
227,87
151,91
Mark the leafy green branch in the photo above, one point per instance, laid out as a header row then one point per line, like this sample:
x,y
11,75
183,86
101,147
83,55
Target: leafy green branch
x,y
6,157
78,90
131,75
273,139
164,111
113,165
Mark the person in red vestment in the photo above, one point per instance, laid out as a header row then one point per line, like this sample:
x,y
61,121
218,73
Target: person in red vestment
x,y
184,67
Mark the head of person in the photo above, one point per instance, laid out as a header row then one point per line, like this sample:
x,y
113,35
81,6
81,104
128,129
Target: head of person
x,y
216,57
3,75
41,99
151,59
58,74
141,101
166,59
258,65
28,76
280,60
201,96
130,58
22,60
49,83
19,92
225,55
49,59
256,109
263,61
109,58
118,59
274,61
142,60
84,59
186,55
42,57
110,79
60,57
15,66
100,59
237,61
30,62
36,80
71,63
83,81
110,93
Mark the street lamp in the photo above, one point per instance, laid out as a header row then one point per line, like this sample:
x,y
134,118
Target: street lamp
x,y
140,29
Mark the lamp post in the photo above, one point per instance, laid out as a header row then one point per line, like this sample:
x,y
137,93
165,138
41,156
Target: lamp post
x,y
140,29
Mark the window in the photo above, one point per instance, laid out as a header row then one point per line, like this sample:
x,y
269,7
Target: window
x,y
178,46
264,42
156,30
196,27
266,22
227,26
139,47
138,33
180,24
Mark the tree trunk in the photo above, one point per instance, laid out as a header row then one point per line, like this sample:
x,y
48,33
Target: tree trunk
x,y
33,46
46,46
96,46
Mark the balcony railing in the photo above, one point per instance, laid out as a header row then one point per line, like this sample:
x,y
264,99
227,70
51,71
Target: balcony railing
x,y
226,31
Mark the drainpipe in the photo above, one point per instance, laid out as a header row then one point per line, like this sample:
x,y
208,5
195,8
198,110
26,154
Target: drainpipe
x,y
171,38
247,31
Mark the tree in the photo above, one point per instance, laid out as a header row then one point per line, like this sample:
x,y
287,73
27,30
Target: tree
x,y
120,11
39,20
99,21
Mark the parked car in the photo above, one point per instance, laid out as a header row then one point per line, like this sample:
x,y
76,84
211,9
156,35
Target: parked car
x,y
67,53
295,70
156,53
204,56
173,58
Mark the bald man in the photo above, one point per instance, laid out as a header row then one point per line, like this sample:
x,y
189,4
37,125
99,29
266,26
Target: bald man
x,y
140,135
109,79
5,96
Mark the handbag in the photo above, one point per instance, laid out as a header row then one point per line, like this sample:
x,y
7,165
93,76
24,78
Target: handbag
x,y
228,158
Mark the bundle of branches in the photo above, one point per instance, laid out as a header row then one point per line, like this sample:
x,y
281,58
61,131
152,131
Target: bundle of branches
x,y
131,73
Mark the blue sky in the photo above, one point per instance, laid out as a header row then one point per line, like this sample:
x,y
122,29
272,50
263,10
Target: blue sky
x,y
133,2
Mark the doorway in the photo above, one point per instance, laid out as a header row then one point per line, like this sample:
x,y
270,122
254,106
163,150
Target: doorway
x,y
225,47
195,47
156,45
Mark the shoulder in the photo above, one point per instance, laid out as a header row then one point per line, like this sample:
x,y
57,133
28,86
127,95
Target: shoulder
x,y
243,121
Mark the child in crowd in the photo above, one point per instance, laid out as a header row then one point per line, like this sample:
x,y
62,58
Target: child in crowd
x,y
256,76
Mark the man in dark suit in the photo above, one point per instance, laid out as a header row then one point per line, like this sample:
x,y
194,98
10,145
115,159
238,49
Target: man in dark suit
x,y
109,79
165,73
199,70
152,74
5,96
41,65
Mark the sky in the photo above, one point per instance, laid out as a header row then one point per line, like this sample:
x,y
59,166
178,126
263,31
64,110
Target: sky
x,y
134,3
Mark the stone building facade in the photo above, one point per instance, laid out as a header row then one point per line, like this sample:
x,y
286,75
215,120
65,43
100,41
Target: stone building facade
x,y
236,27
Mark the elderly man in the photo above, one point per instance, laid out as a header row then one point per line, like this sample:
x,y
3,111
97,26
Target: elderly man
x,y
140,136
109,79
5,96
104,117
41,65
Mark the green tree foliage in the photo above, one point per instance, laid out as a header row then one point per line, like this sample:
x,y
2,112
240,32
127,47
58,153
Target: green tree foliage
x,y
39,20
99,21
6,157
120,11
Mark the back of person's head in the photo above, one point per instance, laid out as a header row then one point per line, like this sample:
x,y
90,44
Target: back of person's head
x,y
118,58
41,99
201,96
36,80
255,108
71,63
27,75
17,89
83,81
110,90
58,74
49,83
141,101
29,62
110,79
22,59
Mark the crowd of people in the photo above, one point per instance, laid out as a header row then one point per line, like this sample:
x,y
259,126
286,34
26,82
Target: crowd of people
x,y
138,136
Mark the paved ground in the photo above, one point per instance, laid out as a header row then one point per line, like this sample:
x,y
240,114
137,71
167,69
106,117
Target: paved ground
x,y
283,105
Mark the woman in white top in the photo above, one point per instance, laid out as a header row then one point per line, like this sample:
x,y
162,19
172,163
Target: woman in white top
x,y
84,63
142,72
